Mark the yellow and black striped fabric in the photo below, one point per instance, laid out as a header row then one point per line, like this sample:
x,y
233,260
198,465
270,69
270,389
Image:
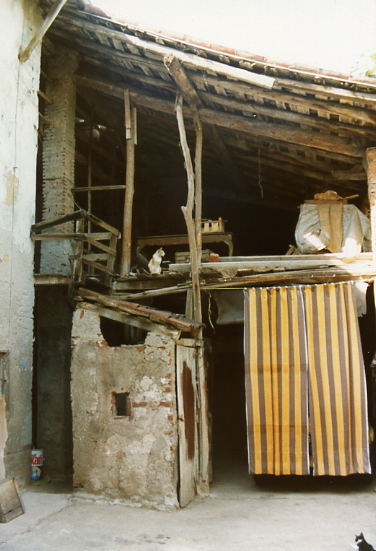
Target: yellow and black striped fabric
x,y
303,352
276,381
338,397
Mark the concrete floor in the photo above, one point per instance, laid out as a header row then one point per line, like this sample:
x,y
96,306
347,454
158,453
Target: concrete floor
x,y
239,515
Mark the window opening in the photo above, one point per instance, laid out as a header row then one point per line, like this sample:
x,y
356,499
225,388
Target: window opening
x,y
120,404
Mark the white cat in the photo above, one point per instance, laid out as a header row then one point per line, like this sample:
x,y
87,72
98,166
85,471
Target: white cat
x,y
155,261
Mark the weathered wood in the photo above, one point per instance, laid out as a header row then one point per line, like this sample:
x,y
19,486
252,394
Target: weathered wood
x,y
182,81
46,279
351,175
37,38
191,60
370,167
258,266
11,505
128,319
126,249
102,224
57,221
187,211
187,426
296,136
78,250
198,185
97,188
331,91
334,108
139,310
96,266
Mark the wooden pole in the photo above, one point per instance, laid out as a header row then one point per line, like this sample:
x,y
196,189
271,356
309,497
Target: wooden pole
x,y
52,14
188,211
370,166
130,117
198,186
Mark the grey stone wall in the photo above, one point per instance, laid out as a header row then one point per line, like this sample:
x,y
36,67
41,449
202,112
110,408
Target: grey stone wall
x,y
134,457
59,158
19,140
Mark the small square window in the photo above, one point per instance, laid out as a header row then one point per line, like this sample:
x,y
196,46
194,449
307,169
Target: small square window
x,y
120,404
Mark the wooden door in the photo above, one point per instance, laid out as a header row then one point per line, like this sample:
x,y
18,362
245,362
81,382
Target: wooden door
x,y
187,426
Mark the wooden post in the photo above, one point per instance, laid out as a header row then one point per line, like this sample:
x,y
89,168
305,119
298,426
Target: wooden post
x,y
130,118
52,14
198,185
370,166
188,211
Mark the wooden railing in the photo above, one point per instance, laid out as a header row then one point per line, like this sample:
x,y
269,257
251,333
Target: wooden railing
x,y
96,250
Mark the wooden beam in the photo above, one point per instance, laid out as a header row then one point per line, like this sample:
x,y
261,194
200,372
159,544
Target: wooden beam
x,y
356,173
37,38
296,136
160,316
39,226
182,81
325,90
190,60
370,167
97,188
126,251
332,108
127,319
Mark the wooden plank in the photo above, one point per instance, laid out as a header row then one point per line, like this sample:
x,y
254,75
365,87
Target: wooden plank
x,y
58,236
191,60
96,256
37,38
78,250
182,81
57,221
139,310
11,505
95,243
46,279
126,249
203,424
101,223
127,319
97,188
187,427
96,266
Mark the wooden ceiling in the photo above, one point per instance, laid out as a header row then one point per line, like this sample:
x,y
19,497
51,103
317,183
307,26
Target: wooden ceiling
x,y
295,130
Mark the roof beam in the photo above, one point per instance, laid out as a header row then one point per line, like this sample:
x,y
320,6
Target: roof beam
x,y
278,132
190,60
37,38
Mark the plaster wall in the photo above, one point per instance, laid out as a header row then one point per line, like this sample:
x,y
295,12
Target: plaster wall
x,y
131,458
19,84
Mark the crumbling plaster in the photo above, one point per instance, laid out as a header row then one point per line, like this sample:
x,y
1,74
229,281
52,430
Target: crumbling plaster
x,y
19,84
132,458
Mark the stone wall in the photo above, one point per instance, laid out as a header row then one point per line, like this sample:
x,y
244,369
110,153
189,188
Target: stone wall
x,y
131,457
19,84
59,158
52,413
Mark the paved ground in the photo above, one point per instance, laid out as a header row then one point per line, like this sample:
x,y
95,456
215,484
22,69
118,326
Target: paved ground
x,y
238,516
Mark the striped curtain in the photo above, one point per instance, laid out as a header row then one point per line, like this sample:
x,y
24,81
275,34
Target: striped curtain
x,y
276,381
303,352
338,398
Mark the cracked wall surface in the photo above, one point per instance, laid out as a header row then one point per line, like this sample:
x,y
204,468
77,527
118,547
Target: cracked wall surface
x,y
134,457
19,141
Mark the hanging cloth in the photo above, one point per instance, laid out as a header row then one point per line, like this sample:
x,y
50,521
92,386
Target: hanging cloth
x,y
276,381
295,338
337,385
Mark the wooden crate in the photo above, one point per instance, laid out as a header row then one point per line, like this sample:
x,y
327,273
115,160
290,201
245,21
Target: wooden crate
x,y
213,226
11,505
185,257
